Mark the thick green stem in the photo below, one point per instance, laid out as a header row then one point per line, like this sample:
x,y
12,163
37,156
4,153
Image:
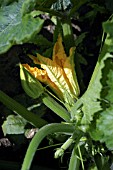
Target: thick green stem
x,y
67,33
21,110
40,135
60,151
74,161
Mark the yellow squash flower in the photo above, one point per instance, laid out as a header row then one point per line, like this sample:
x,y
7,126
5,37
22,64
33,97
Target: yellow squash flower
x,y
58,73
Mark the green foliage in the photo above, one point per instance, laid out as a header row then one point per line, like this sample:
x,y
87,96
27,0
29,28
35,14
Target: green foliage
x,y
104,123
91,98
107,26
6,2
102,130
28,6
88,122
40,40
105,127
43,132
14,125
61,5
15,29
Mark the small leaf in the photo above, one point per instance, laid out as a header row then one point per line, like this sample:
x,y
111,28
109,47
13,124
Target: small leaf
x,y
30,84
14,125
80,38
61,4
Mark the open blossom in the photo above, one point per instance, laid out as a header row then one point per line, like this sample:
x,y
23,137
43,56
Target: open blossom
x,y
58,73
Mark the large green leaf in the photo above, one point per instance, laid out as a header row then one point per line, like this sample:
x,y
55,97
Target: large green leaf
x,y
6,2
91,98
30,5
104,125
15,29
109,96
108,27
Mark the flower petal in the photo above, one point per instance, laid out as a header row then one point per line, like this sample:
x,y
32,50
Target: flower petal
x,y
70,72
39,74
59,55
42,76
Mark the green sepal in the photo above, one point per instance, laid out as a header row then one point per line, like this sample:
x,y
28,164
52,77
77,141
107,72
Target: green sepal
x,y
30,84
56,107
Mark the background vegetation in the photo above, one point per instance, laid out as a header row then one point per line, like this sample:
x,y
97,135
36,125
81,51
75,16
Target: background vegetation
x,y
31,26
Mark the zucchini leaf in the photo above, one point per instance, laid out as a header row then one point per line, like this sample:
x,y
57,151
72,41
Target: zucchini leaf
x,y
15,29
30,5
98,109
104,125
91,98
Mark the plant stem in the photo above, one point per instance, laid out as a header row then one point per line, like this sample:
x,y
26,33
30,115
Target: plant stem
x,y
40,135
21,110
74,161
60,151
81,157
67,33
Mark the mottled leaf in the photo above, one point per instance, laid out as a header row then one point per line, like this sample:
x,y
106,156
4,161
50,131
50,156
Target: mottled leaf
x,y
15,29
91,98
61,4
108,27
30,5
6,2
14,125
105,122
105,127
